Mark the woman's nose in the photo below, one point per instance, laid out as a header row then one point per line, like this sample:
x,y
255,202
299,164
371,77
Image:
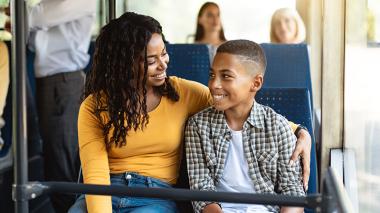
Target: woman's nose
x,y
163,64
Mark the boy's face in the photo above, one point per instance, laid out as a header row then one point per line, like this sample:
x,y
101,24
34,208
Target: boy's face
x,y
232,86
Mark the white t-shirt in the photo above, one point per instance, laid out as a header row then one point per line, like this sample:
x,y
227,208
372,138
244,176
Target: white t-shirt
x,y
236,177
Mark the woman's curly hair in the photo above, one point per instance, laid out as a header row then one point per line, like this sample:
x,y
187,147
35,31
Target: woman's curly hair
x,y
114,78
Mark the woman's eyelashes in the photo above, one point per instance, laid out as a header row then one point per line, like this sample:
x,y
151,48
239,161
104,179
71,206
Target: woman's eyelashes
x,y
153,61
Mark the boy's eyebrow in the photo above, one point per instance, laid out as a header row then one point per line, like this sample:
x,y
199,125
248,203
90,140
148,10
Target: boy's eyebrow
x,y
226,70
222,70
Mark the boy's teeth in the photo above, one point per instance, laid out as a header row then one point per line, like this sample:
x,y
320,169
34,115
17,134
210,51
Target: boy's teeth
x,y
218,97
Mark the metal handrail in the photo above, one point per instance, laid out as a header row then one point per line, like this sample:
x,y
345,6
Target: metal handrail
x,y
19,135
36,189
111,10
335,197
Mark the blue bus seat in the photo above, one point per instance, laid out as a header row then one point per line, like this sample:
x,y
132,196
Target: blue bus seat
x,y
189,61
287,66
295,105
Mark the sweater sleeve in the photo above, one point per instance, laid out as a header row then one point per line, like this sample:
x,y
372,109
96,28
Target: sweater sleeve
x,y
93,155
293,126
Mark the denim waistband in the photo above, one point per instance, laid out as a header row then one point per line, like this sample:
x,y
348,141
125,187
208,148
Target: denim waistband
x,y
135,176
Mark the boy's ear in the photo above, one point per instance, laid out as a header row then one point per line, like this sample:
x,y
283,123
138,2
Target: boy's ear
x,y
257,82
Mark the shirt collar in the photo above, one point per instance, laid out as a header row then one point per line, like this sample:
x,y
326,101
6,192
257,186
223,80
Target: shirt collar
x,y
256,119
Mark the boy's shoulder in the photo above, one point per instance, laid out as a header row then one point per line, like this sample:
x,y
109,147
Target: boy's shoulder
x,y
206,114
260,114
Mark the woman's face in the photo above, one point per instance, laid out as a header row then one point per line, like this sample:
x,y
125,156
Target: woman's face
x,y
210,19
157,60
285,29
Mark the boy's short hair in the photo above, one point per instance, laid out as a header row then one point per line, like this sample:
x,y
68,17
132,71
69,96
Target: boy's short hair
x,y
248,52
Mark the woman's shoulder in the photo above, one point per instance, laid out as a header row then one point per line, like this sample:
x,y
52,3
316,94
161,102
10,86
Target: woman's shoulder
x,y
194,95
184,85
90,102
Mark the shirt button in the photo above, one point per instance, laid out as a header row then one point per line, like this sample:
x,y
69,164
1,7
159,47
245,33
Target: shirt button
x,y
128,177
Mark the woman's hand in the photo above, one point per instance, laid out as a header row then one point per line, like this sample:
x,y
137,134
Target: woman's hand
x,y
303,149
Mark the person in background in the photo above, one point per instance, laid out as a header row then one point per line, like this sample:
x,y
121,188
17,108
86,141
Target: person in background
x,y
287,27
209,28
239,145
4,76
60,35
128,134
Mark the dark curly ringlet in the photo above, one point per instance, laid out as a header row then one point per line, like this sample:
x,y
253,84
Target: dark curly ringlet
x,y
120,47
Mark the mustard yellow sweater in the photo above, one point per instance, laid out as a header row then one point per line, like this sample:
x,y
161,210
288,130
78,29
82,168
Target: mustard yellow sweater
x,y
153,152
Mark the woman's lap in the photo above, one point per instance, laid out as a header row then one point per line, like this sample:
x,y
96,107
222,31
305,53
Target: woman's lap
x,y
133,204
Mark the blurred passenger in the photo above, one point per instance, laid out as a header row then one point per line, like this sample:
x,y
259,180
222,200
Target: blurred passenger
x,y
60,34
34,137
239,145
287,27
209,27
4,76
128,134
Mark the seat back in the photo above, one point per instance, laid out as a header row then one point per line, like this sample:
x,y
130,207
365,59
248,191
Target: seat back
x,y
287,66
295,105
189,61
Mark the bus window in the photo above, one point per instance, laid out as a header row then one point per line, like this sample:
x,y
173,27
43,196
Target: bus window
x,y
362,102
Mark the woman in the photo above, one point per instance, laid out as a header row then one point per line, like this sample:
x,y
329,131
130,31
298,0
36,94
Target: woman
x,y
287,27
132,119
209,28
128,133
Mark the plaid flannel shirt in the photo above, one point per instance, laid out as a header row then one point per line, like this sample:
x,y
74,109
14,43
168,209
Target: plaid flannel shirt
x,y
268,144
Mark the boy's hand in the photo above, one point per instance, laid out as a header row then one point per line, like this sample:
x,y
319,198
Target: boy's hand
x,y
303,149
212,208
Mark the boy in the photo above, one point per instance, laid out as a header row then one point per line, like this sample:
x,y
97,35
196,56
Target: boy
x,y
239,145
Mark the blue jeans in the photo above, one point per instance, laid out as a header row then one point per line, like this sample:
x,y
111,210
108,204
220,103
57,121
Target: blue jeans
x,y
133,204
